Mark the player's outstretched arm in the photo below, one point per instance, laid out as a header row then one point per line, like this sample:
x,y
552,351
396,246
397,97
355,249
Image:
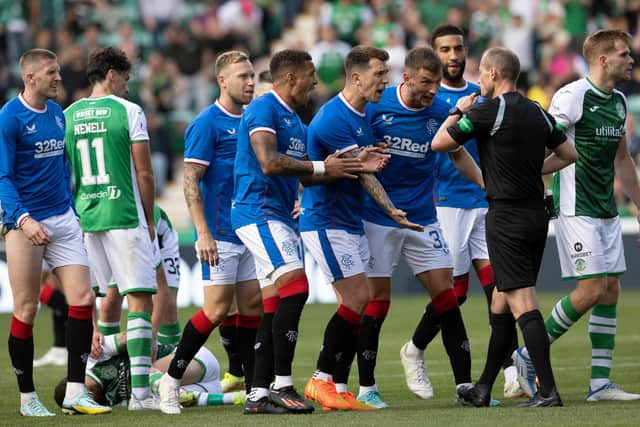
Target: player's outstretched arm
x,y
371,184
206,245
336,166
274,163
144,176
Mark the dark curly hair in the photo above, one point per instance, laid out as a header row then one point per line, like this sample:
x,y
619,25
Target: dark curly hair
x,y
103,60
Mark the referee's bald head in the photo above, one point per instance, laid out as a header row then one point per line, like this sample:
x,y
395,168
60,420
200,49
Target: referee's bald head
x,y
505,62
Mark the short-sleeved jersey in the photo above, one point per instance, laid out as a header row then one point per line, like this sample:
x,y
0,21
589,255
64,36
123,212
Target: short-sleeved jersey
x,y
454,190
34,174
338,204
257,197
595,121
114,375
211,141
512,133
409,178
99,135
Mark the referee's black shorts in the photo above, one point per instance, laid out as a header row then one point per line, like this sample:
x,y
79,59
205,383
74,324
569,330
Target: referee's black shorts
x,y
516,236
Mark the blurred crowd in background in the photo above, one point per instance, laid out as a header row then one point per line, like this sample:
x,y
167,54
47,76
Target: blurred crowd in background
x,y
173,45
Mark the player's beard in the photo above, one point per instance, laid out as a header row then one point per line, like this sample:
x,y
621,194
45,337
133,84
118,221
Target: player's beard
x,y
454,77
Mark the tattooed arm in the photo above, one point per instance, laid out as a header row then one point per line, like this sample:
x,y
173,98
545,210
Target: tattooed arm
x,y
207,250
265,145
372,186
272,162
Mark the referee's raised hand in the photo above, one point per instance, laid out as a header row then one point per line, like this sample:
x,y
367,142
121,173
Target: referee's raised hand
x,y
465,103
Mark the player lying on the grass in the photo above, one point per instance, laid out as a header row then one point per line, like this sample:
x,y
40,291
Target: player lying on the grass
x,y
109,377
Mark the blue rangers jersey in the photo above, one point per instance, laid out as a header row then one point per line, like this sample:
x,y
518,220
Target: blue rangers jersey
x,y
34,172
339,203
211,141
409,178
454,190
257,197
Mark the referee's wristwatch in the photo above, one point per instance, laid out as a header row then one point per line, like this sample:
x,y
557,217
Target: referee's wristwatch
x,y
455,111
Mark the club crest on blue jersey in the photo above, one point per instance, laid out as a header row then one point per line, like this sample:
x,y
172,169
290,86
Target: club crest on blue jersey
x,y
60,122
432,127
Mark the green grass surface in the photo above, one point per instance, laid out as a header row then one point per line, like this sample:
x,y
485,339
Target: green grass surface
x,y
571,363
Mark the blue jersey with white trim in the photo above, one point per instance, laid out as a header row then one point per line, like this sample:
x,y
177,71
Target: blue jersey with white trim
x,y
34,170
211,141
339,203
454,190
409,178
257,197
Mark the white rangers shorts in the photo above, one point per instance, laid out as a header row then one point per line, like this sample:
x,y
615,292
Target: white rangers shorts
x,y
235,265
423,251
589,247
338,253
65,245
465,232
126,257
275,249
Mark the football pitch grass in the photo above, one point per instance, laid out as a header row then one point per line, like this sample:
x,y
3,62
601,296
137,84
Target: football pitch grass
x,y
571,357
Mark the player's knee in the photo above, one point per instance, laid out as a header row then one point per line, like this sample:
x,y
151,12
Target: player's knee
x,y
592,295
215,314
84,297
251,303
140,302
444,301
613,291
26,311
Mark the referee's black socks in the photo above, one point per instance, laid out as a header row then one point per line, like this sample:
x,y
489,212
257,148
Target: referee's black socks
x,y
502,331
537,342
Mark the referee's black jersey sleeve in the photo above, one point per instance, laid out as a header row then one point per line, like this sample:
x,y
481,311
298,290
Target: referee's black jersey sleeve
x,y
557,137
475,123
